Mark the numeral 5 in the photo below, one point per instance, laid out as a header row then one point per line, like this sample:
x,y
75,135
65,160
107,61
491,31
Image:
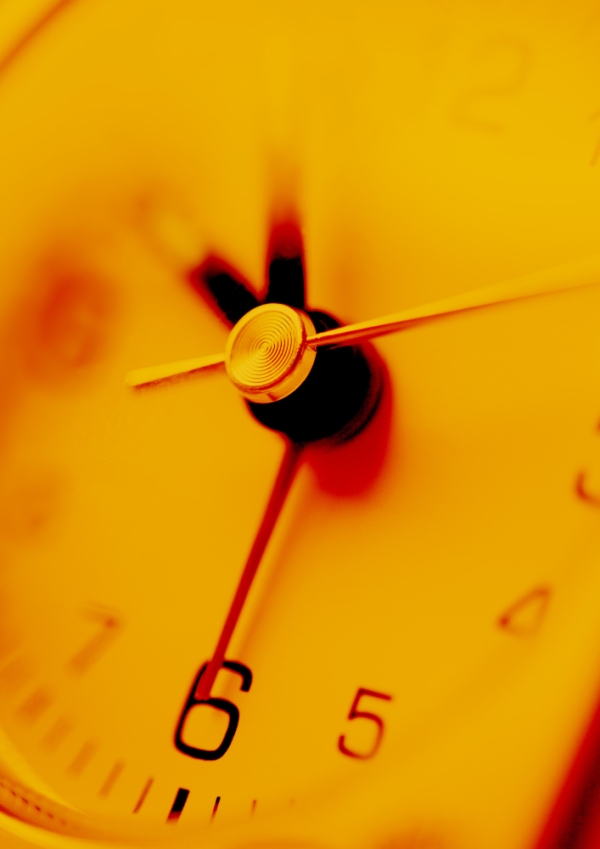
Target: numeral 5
x,y
355,713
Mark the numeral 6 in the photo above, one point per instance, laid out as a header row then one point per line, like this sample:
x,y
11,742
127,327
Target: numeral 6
x,y
355,713
219,704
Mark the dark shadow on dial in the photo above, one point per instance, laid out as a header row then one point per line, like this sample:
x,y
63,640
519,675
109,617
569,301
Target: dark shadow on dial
x,y
350,468
285,266
229,295
346,390
337,399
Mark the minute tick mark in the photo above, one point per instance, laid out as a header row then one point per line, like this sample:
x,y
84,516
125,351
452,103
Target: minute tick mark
x,y
144,793
111,779
178,805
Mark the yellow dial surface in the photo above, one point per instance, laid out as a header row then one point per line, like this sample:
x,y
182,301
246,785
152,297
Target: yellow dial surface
x,y
265,581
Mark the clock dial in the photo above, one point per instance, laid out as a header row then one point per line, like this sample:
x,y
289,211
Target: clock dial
x,y
409,657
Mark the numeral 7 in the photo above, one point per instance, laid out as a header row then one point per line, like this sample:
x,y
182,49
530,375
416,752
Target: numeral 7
x,y
98,643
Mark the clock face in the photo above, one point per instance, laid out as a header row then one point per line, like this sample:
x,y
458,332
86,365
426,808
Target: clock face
x,y
413,658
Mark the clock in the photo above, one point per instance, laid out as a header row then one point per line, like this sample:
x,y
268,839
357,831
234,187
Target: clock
x,y
300,369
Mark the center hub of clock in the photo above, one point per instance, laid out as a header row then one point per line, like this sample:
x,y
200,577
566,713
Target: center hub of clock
x,y
307,394
267,356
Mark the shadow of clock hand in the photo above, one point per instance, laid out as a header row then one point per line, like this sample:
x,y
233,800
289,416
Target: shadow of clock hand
x,y
231,297
223,289
574,819
343,390
285,273
286,282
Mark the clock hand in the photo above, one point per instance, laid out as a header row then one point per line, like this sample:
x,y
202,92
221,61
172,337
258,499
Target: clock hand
x,y
232,299
276,501
574,820
155,375
560,278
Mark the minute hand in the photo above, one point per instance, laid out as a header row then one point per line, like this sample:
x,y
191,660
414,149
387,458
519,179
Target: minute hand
x,y
560,278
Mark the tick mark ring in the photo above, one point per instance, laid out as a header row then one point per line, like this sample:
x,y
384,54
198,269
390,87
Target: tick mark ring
x,y
267,355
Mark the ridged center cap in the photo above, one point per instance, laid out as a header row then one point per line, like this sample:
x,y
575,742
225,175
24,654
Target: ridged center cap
x,y
267,356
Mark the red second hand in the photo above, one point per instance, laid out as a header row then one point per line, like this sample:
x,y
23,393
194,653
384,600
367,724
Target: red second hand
x,y
574,820
271,514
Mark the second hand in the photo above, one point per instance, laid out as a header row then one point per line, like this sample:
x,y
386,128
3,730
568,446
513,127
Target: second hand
x,y
276,501
561,278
